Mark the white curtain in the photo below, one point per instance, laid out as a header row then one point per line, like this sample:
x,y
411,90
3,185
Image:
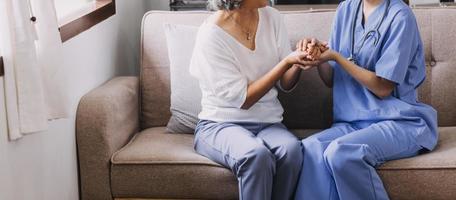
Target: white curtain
x,y
34,79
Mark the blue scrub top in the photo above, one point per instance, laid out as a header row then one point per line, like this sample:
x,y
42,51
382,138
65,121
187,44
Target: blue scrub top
x,y
398,57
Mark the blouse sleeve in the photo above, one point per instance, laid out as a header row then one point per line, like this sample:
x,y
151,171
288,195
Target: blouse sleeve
x,y
217,70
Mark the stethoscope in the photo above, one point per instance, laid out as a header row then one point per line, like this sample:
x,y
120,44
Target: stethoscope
x,y
374,32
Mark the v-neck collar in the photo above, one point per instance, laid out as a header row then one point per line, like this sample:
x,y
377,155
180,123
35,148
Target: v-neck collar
x,y
258,29
374,17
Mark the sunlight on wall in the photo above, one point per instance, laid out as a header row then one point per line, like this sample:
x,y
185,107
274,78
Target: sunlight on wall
x,y
66,7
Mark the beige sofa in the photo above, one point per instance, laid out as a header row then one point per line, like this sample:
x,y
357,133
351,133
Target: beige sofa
x,y
124,151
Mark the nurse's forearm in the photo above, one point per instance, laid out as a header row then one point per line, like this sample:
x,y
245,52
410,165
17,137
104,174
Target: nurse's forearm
x,y
325,72
290,78
379,86
257,89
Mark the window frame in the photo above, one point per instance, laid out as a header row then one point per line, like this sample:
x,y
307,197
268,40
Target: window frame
x,y
84,19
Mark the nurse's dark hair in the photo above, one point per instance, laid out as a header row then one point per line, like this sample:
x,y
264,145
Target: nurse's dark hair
x,y
223,4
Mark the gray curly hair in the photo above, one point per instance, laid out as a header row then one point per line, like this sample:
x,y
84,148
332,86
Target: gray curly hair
x,y
223,4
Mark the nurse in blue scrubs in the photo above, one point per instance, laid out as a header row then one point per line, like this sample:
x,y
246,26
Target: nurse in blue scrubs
x,y
375,65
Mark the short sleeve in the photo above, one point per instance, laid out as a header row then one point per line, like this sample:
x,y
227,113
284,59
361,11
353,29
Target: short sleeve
x,y
217,70
398,49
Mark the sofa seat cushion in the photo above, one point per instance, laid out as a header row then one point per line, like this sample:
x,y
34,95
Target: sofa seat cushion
x,y
156,164
426,176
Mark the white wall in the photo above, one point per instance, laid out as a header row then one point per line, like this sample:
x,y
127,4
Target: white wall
x,y
157,4
43,166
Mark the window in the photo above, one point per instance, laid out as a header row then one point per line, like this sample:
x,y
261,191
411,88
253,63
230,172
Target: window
x,y
76,16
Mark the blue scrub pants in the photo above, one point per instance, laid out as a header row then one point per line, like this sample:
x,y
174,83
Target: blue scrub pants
x,y
266,158
340,162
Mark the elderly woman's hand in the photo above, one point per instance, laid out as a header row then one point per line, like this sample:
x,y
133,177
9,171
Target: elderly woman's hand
x,y
300,58
327,55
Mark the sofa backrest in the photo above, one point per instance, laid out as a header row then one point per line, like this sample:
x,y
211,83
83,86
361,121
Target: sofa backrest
x,y
310,104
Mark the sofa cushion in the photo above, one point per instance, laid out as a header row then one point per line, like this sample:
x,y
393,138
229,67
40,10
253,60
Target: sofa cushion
x,y
309,105
156,164
185,90
155,74
442,74
427,176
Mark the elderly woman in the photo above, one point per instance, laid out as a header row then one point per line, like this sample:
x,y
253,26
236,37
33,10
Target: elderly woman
x,y
241,53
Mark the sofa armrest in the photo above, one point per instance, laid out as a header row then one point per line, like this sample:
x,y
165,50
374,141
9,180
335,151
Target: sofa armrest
x,y
106,119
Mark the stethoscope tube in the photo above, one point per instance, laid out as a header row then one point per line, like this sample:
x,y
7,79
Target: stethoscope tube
x,y
375,31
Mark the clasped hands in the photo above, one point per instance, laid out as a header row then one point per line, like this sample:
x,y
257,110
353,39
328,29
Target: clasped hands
x,y
310,53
